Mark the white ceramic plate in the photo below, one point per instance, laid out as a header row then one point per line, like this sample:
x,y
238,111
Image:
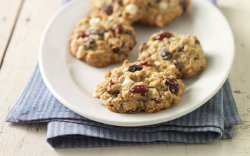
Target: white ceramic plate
x,y
72,82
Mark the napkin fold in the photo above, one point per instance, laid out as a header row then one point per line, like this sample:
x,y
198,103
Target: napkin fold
x,y
214,120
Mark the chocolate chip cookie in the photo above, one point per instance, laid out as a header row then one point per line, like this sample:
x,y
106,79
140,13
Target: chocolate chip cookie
x,y
139,87
185,52
101,40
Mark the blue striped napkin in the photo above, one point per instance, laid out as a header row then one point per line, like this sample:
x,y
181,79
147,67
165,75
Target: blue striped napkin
x,y
214,120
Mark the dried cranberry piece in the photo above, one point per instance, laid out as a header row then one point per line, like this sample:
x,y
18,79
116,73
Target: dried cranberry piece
x,y
120,29
163,35
134,68
82,35
172,85
111,82
166,55
108,10
139,89
110,90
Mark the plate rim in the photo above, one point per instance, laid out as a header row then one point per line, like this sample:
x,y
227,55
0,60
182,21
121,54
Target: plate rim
x,y
127,124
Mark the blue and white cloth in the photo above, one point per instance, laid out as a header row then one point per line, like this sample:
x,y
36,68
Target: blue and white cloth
x,y
214,120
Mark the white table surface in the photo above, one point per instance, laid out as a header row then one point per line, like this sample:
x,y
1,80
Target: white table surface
x,y
21,25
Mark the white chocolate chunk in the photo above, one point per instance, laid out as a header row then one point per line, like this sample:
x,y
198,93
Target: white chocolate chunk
x,y
94,21
163,5
125,69
127,81
131,9
79,53
157,63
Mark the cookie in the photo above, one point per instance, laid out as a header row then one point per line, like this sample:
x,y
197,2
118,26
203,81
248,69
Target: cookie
x,y
128,10
139,87
162,12
101,40
185,52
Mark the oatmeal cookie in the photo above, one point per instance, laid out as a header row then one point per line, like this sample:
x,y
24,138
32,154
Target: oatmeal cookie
x,y
162,12
128,10
183,51
101,40
139,87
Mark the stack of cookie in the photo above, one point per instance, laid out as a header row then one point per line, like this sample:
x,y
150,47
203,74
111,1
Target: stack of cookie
x,y
154,81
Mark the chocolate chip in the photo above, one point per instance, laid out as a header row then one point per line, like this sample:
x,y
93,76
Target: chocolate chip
x,y
173,85
116,50
89,43
166,55
116,92
134,68
108,10
82,35
181,48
